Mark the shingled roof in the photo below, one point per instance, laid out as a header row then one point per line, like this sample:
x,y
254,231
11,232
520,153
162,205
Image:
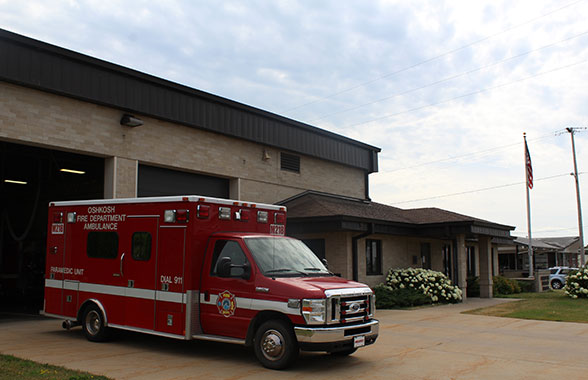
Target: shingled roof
x,y
560,244
312,205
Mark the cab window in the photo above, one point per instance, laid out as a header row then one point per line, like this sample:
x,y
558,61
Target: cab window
x,y
232,250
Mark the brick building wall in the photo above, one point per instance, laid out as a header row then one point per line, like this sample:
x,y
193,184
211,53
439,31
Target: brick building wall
x,y
42,119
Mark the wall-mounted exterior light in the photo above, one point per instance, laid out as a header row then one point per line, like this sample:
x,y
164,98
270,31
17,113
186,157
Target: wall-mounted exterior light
x,y
130,120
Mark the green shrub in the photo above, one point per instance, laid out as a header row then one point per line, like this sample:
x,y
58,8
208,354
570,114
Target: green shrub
x,y
473,289
434,285
526,286
504,286
577,283
388,298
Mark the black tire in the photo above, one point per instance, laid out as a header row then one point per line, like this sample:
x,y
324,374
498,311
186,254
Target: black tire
x,y
556,284
275,345
346,352
93,324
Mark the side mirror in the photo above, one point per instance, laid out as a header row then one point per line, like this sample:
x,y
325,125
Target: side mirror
x,y
224,267
325,263
246,271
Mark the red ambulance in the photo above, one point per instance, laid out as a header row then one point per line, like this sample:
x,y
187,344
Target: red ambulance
x,y
192,267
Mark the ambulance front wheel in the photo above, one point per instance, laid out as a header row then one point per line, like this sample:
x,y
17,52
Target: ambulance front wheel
x,y
93,324
275,345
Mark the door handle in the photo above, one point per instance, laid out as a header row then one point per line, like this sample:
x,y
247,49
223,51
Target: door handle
x,y
122,258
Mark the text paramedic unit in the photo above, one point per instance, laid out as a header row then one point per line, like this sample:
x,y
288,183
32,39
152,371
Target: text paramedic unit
x,y
191,267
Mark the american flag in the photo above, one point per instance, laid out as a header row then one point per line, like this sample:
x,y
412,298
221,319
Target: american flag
x,y
528,166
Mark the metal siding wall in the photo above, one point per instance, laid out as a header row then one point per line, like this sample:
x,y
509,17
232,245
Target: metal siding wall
x,y
78,77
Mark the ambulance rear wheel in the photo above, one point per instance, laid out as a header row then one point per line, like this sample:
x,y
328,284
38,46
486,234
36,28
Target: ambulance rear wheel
x,y
275,345
93,324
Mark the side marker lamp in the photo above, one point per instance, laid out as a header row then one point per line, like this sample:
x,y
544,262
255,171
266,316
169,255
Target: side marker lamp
x,y
169,216
262,217
224,213
71,217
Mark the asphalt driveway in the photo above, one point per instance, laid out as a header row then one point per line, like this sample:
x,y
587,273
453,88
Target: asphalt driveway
x,y
429,343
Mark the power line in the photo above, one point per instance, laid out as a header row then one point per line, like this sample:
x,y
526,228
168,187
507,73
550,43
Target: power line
x,y
482,189
431,59
447,79
468,154
554,230
487,89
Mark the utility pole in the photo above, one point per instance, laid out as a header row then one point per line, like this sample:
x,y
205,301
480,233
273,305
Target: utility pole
x,y
571,130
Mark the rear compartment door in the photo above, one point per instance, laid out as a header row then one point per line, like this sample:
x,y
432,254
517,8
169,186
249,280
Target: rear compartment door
x,y
55,263
139,270
169,295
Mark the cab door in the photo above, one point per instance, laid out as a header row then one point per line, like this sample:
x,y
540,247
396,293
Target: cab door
x,y
139,270
226,301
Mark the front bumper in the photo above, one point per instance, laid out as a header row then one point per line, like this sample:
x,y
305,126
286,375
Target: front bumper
x,y
336,337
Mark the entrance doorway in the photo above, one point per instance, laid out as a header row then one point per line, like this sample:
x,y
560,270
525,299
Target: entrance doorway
x,y
30,178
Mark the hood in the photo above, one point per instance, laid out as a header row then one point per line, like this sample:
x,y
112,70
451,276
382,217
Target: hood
x,y
315,287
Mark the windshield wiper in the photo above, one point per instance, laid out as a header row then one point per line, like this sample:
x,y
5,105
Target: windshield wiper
x,y
319,270
282,270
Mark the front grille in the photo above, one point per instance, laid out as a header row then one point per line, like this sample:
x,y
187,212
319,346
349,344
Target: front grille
x,y
349,308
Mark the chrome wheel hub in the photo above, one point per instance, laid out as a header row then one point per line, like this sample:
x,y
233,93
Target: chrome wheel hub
x,y
272,345
93,322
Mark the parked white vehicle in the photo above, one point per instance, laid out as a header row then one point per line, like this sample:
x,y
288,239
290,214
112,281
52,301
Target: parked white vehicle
x,y
558,275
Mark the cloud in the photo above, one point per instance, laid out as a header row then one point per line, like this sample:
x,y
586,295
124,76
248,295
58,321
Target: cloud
x,y
423,80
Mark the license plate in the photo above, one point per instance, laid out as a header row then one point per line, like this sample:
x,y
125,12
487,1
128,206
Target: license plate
x,y
359,341
277,229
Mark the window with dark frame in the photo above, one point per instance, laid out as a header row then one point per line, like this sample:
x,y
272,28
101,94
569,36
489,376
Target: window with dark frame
x,y
231,249
290,162
471,261
102,244
141,246
373,256
426,256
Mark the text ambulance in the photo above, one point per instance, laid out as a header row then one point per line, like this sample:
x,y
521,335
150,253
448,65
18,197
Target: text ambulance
x,y
191,267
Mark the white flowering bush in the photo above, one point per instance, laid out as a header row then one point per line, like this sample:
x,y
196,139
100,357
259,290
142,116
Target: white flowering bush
x,y
434,285
577,283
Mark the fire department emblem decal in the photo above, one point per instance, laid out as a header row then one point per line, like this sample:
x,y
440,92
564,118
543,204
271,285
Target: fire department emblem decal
x,y
226,303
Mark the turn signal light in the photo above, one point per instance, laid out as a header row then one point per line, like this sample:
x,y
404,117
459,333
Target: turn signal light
x,y
279,218
203,211
182,216
57,217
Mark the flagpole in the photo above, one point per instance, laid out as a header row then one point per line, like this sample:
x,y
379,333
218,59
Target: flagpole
x,y
527,186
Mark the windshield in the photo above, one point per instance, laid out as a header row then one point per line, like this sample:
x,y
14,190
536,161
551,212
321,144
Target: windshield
x,y
278,256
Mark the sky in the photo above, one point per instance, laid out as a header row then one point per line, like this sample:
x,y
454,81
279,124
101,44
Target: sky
x,y
445,88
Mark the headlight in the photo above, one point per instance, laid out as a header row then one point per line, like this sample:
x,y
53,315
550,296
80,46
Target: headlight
x,y
314,311
372,305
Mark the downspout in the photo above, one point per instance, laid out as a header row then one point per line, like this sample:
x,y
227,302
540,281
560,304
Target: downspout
x,y
367,187
355,250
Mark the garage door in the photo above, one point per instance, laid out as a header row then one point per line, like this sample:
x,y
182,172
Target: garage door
x,y
155,182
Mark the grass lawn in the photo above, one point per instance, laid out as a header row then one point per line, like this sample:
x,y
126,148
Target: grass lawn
x,y
12,368
547,306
